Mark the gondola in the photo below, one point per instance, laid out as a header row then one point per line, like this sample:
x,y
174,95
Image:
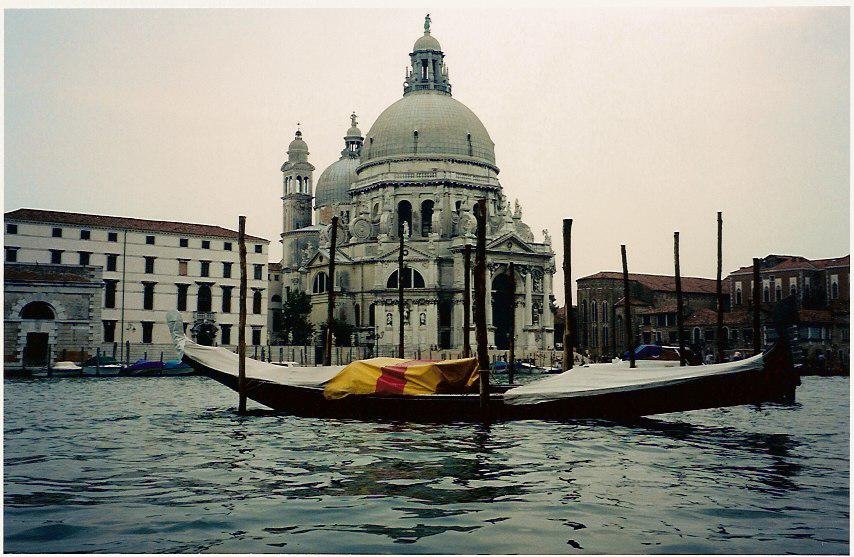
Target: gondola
x,y
580,393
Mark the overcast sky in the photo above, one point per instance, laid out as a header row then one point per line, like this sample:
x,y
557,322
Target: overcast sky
x,y
634,122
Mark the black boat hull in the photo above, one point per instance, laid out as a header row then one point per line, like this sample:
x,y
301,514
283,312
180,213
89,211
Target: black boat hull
x,y
775,382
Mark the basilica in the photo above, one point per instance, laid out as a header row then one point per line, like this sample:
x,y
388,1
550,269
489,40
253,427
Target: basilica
x,y
418,172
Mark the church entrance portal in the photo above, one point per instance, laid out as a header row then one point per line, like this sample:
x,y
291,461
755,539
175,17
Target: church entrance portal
x,y
502,305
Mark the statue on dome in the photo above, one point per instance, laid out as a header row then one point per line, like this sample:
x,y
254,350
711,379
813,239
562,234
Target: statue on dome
x,y
427,24
353,121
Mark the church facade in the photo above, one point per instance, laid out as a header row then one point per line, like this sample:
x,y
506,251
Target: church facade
x,y
418,172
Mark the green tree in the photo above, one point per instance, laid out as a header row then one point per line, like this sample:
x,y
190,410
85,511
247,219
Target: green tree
x,y
293,319
341,330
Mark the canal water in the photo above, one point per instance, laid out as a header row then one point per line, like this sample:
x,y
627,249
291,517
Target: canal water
x,y
165,465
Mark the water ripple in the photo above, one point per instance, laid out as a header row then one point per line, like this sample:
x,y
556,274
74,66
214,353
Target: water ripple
x,y
164,465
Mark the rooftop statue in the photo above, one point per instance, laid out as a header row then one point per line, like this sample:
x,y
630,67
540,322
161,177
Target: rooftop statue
x,y
427,23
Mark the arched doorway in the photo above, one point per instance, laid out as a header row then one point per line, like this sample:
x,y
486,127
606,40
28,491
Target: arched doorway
x,y
37,347
502,305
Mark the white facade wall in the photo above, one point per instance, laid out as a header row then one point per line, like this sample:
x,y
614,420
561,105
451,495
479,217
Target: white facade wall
x,y
34,242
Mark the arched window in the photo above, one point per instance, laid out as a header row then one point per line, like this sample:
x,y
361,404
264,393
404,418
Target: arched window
x,y
696,335
256,302
319,285
778,292
605,312
766,294
276,299
738,296
594,312
37,310
584,316
426,217
203,300
605,335
834,290
358,311
411,279
375,212
404,215
299,184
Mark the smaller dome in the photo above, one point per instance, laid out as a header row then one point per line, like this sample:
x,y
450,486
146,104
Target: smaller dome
x,y
334,184
354,132
298,144
427,42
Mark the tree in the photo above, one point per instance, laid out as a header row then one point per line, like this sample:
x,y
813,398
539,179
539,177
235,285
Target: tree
x,y
292,320
341,330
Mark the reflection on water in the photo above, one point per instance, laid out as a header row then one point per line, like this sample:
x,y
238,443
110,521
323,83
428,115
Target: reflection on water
x,y
165,465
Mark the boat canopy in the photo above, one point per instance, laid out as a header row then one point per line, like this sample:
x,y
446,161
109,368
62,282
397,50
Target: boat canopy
x,y
407,377
611,378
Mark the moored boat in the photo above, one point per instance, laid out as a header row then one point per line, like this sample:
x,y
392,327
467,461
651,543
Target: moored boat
x,y
574,394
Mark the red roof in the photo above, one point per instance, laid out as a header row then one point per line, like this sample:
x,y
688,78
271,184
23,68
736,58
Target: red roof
x,y
122,223
274,266
796,262
664,283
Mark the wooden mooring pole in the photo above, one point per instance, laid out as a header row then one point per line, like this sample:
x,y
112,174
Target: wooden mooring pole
x,y
241,331
719,332
467,301
330,294
480,303
757,301
680,319
627,316
511,360
400,308
568,325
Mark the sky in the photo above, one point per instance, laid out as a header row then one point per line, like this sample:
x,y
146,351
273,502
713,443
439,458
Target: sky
x,y
634,122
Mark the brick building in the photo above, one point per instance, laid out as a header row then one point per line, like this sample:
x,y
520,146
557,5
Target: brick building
x,y
822,294
653,299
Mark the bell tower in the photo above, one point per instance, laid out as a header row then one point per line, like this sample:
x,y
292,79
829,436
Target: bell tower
x,y
297,183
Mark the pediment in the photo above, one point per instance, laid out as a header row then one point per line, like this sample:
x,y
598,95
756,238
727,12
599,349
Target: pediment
x,y
509,242
340,257
413,253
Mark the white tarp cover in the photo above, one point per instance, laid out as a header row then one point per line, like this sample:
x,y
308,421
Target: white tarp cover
x,y
611,378
227,361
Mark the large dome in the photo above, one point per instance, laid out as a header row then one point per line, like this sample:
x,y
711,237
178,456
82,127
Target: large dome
x,y
333,184
445,127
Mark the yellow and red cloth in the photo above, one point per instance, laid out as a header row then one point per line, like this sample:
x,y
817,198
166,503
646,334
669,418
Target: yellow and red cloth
x,y
407,377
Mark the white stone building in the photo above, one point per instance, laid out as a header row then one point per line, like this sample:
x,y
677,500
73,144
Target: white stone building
x,y
146,268
418,171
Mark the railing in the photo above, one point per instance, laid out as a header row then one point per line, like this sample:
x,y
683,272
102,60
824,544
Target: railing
x,y
428,176
204,316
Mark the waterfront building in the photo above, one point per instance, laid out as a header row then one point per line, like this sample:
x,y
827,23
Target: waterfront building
x,y
821,288
49,310
653,300
417,172
146,267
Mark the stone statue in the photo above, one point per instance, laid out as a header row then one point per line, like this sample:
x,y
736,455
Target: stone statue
x,y
405,229
547,238
517,213
353,121
427,24
307,252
